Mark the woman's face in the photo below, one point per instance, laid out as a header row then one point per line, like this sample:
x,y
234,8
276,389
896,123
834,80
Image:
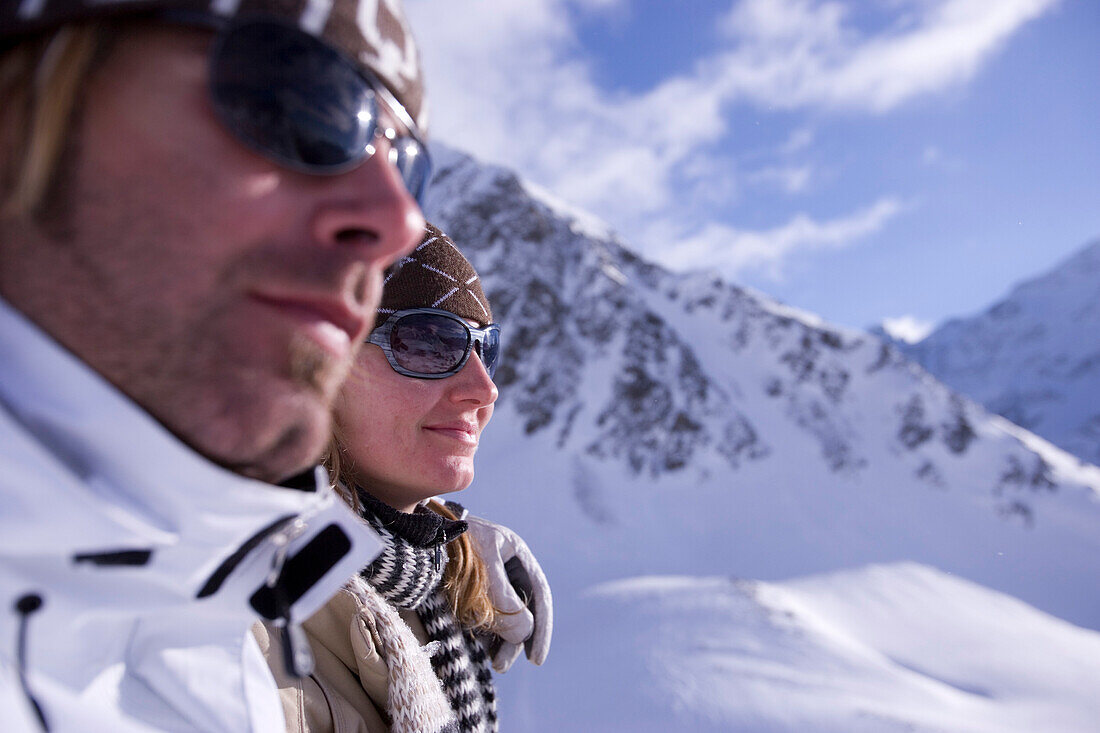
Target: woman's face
x,y
410,439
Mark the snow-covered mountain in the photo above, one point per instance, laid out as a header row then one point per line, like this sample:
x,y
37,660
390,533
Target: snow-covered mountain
x,y
660,424
1034,356
897,647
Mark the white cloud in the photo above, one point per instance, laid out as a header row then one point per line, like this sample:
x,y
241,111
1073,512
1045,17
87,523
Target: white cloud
x,y
601,5
798,141
517,91
797,53
931,155
791,179
907,328
731,250
510,82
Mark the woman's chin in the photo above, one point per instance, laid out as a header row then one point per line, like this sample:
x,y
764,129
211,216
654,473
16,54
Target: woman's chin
x,y
434,478
455,478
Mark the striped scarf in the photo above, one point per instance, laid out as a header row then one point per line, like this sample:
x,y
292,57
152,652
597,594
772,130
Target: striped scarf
x,y
408,574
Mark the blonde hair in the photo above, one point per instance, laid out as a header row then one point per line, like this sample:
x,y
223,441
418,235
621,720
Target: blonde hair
x,y
465,578
40,81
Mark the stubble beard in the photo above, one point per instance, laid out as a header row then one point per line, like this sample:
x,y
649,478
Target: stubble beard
x,y
315,369
272,438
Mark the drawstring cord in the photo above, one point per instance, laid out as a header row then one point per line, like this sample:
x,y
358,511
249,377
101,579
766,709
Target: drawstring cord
x,y
25,606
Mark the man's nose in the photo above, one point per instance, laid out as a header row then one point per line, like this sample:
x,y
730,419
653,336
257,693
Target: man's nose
x,y
370,208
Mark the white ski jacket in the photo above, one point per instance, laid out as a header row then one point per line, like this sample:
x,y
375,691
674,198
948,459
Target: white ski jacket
x,y
131,568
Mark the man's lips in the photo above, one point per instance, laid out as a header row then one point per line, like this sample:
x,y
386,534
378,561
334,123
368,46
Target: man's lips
x,y
328,321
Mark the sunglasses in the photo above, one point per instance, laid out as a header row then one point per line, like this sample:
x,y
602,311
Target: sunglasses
x,y
426,343
300,103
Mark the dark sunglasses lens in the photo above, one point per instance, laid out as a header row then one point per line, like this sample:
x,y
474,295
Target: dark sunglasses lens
x,y
428,344
292,98
490,351
414,164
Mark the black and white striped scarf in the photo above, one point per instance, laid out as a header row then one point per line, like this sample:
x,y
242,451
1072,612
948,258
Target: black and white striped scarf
x,y
408,574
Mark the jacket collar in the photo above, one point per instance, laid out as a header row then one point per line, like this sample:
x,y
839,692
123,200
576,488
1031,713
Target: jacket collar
x,y
88,473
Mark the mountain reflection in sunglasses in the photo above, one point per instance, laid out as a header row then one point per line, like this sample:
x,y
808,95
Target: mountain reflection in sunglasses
x,y
428,343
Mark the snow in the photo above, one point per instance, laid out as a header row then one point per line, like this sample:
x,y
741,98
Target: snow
x,y
878,648
864,643
906,561
581,222
906,329
1066,466
1034,356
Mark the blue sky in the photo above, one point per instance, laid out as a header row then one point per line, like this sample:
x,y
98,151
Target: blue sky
x,y
904,159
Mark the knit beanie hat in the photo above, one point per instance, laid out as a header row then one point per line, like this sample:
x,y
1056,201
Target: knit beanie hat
x,y
373,33
435,275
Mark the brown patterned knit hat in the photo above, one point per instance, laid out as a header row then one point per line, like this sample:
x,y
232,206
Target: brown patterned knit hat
x,y
435,275
373,33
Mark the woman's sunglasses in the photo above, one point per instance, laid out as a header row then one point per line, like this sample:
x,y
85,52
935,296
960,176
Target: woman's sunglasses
x,y
432,344
299,102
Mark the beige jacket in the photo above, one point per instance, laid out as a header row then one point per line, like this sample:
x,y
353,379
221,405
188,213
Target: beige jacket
x,y
372,671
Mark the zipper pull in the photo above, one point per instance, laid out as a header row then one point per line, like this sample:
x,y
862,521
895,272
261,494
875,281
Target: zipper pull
x,y
437,560
297,655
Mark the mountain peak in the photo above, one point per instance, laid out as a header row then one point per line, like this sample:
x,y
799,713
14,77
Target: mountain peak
x,y
1032,356
637,402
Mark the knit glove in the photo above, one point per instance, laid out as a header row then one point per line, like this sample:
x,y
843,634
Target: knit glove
x,y
518,587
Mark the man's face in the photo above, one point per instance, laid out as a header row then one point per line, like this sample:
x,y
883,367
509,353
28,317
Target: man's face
x,y
224,294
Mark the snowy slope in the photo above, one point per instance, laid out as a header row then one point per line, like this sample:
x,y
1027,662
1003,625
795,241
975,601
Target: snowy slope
x,y
1033,357
653,423
883,648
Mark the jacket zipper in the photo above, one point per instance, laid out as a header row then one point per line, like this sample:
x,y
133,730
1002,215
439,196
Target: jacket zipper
x,y
214,582
297,654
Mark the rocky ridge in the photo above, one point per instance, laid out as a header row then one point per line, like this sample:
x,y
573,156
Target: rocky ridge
x,y
625,361
1033,357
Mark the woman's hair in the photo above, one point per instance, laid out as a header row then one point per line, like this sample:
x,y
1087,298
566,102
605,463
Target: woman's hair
x,y
41,80
465,578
